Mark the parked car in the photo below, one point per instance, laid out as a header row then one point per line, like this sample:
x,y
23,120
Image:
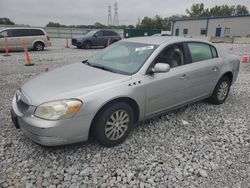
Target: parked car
x,y
32,38
96,38
127,82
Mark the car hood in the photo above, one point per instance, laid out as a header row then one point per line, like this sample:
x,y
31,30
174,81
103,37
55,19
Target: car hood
x,y
71,81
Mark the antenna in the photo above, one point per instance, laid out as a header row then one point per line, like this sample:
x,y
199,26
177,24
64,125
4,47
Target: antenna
x,y
116,20
109,15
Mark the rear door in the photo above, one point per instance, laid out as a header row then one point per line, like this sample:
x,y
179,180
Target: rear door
x,y
22,37
202,71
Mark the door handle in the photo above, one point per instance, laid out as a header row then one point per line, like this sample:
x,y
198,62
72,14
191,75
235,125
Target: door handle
x,y
215,69
184,76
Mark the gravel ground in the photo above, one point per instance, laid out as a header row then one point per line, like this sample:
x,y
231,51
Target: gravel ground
x,y
200,145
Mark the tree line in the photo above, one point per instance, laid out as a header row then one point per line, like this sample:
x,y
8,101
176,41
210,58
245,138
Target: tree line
x,y
196,11
157,22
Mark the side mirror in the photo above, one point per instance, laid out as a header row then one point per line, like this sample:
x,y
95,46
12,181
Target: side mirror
x,y
95,35
160,68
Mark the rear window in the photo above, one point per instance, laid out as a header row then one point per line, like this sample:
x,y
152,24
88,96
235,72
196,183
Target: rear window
x,y
200,51
35,32
214,52
109,33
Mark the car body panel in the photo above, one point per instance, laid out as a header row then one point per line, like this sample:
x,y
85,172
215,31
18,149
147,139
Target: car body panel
x,y
153,93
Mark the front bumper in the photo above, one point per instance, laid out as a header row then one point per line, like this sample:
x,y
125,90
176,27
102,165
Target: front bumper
x,y
51,133
76,42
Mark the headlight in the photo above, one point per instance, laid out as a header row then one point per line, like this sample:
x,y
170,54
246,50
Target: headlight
x,y
61,109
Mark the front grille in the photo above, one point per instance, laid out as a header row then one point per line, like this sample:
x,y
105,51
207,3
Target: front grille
x,y
73,41
21,103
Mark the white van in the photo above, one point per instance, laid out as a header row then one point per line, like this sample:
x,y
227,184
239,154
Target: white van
x,y
18,38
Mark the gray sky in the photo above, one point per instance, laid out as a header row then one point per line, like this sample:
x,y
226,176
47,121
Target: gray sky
x,y
77,12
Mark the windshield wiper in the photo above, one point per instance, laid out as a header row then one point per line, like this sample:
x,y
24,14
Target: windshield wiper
x,y
103,68
86,62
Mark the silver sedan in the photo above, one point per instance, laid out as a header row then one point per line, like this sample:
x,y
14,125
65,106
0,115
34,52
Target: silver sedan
x,y
127,82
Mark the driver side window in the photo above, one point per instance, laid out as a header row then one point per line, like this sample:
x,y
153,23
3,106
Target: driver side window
x,y
99,34
172,55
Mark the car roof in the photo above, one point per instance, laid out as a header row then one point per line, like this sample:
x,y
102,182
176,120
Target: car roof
x,y
156,40
21,28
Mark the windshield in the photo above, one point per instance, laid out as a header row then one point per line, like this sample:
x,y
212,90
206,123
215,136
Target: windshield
x,y
123,57
91,33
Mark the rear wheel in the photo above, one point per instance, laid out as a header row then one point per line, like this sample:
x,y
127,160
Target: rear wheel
x,y
113,124
221,91
39,46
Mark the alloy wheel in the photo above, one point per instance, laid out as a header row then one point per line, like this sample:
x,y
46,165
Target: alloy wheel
x,y
223,90
117,124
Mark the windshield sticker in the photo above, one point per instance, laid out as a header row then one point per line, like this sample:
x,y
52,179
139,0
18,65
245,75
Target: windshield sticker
x,y
144,48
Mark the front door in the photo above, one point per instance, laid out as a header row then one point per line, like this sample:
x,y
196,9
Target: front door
x,y
98,39
218,32
166,90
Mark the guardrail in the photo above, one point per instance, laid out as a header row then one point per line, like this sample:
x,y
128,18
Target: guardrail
x,y
63,32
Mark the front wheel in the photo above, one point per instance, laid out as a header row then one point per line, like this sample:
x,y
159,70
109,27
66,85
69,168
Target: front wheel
x,y
221,91
87,45
114,124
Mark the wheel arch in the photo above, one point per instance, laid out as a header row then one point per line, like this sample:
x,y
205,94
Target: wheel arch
x,y
133,104
228,74
38,41
87,40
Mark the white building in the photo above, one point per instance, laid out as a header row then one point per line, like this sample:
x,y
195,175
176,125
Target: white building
x,y
213,26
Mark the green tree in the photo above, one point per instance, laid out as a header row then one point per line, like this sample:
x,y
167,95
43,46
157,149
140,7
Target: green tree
x,y
196,10
241,9
6,21
147,23
55,24
222,10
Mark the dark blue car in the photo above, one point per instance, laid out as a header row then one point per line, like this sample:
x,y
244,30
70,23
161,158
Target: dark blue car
x,y
96,38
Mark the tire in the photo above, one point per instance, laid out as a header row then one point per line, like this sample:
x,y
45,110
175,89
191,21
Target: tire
x,y
38,46
108,124
87,45
221,91
79,47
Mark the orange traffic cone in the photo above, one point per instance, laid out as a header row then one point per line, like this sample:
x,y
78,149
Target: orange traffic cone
x,y
27,56
245,57
6,47
66,43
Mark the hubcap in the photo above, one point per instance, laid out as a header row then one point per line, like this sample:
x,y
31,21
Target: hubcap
x,y
88,45
223,90
116,125
39,46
